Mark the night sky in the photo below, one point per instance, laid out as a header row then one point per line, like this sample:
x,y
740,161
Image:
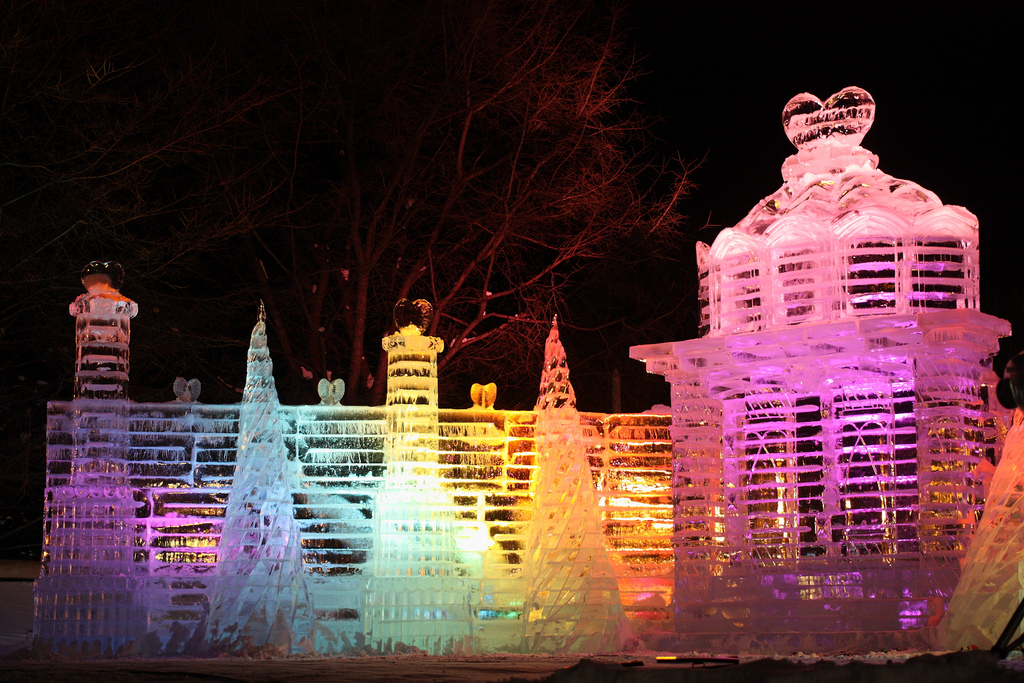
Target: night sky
x,y
943,77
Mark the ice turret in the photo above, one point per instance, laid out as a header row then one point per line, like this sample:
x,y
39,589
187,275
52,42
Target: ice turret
x,y
415,597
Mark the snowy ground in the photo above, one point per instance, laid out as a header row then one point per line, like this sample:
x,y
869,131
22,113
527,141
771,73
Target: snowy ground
x,y
16,666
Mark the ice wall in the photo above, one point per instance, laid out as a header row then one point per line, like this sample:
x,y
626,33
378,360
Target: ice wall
x,y
259,595
572,596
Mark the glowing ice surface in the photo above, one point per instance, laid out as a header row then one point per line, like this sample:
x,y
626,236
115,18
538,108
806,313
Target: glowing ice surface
x,y
260,597
572,601
992,584
415,596
829,421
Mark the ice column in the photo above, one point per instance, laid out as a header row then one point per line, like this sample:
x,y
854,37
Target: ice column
x,y
86,597
415,597
572,599
260,595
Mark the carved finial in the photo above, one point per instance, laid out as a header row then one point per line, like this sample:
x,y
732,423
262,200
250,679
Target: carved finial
x,y
847,116
413,317
187,391
262,315
484,395
103,276
330,392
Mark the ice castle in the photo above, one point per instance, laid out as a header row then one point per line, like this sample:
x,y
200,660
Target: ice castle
x,y
815,486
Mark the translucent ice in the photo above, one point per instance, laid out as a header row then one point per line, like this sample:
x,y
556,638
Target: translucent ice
x,y
260,597
415,596
991,585
572,601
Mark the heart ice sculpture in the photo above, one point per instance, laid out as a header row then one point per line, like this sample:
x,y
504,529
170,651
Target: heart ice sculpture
x,y
102,276
413,316
848,113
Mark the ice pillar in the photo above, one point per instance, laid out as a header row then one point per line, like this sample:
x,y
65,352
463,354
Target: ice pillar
x,y
415,596
572,596
102,331
261,598
86,597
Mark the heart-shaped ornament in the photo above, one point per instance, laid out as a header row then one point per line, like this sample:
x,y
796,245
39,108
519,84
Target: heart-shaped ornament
x,y
413,317
103,276
848,115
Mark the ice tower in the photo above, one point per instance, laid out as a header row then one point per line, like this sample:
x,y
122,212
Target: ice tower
x,y
828,421
88,575
415,597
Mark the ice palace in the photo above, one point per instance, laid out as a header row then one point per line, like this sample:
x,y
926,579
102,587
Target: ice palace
x,y
815,487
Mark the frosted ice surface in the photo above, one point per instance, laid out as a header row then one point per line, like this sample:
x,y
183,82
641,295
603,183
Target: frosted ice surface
x,y
991,587
572,602
260,596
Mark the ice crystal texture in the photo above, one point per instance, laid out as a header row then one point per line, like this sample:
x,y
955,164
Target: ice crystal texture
x,y
260,597
572,601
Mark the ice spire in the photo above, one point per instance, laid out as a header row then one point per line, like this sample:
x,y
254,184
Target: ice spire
x,y
572,602
260,597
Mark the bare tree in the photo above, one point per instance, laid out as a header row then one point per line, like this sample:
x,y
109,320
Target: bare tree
x,y
478,154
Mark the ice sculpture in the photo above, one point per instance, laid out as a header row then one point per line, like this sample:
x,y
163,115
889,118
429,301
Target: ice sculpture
x,y
829,421
992,583
572,600
415,597
88,548
260,597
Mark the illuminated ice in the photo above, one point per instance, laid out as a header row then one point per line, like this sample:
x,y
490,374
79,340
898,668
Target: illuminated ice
x,y
992,584
415,597
829,421
87,572
572,600
259,595
817,487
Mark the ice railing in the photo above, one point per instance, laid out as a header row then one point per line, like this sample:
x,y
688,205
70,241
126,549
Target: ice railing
x,y
177,474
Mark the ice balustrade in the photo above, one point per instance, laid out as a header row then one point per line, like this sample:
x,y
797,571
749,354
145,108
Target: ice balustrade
x,y
829,425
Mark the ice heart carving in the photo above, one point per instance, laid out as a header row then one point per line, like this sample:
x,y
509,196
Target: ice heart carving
x,y
102,276
483,395
330,392
848,113
187,391
413,316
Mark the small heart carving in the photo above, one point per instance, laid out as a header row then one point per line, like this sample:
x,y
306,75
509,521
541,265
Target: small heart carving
x,y
103,276
330,392
483,395
848,113
413,316
187,391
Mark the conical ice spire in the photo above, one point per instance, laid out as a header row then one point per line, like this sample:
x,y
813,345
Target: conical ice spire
x,y
572,601
260,597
